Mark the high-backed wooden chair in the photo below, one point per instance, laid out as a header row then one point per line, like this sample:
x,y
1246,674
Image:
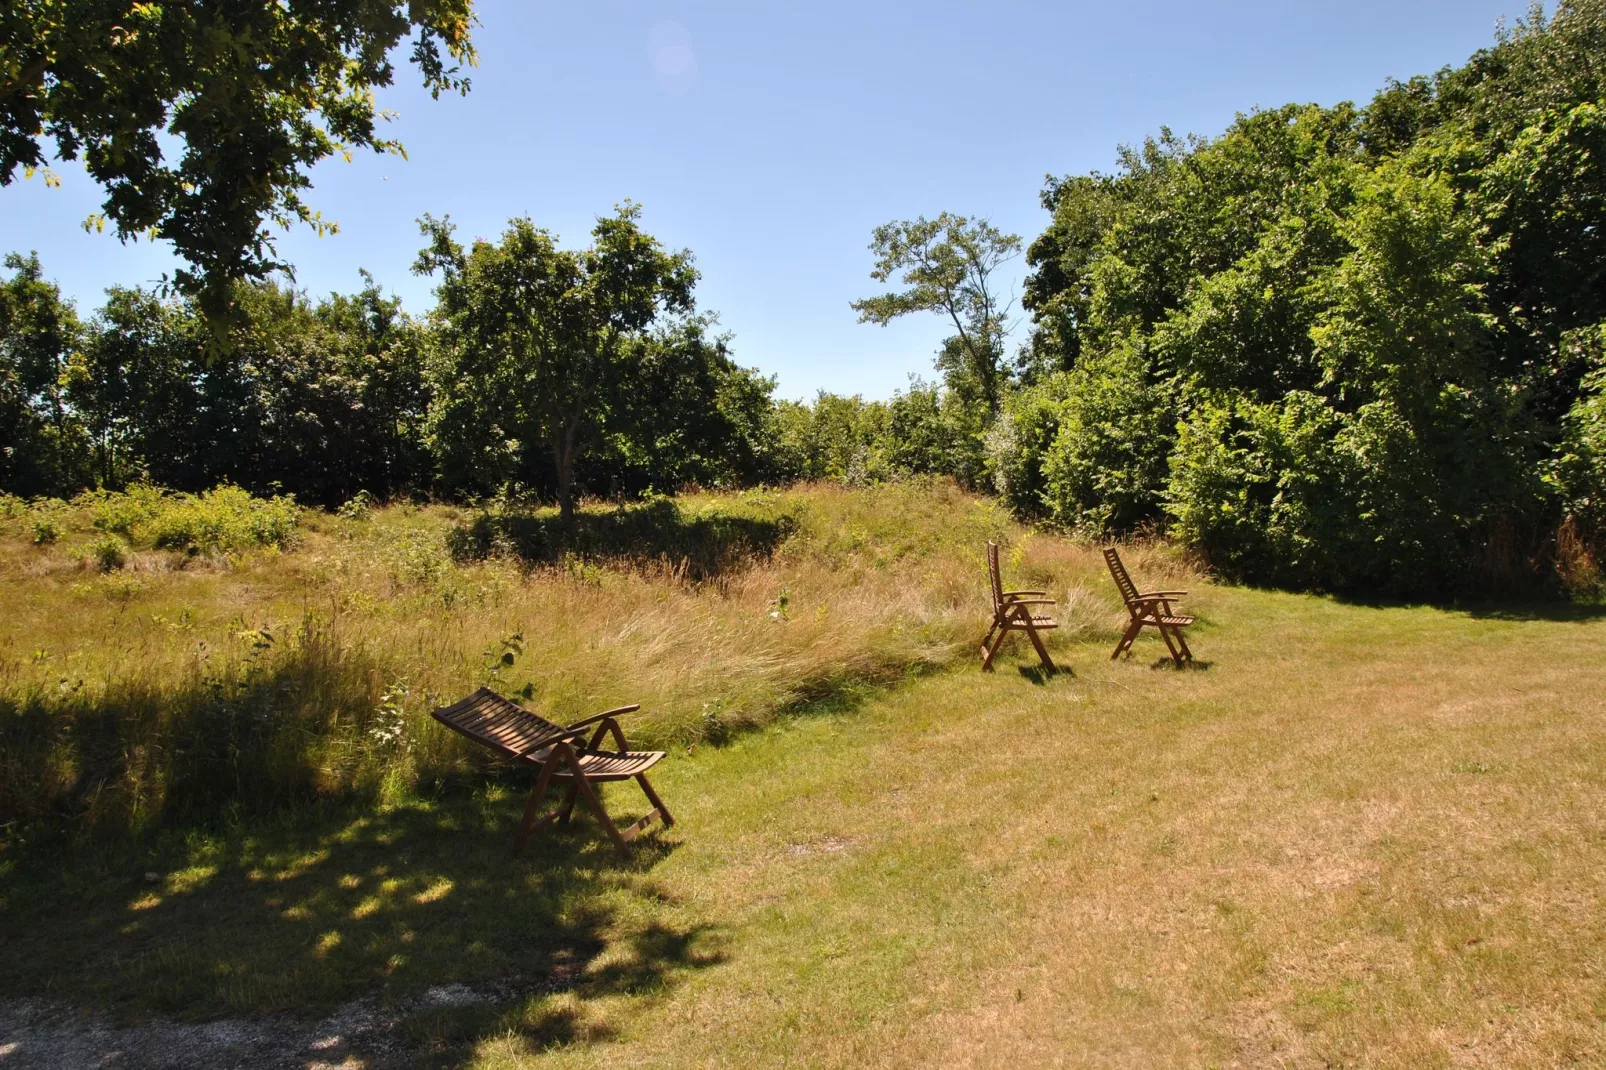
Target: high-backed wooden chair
x,y
1148,610
559,753
1012,612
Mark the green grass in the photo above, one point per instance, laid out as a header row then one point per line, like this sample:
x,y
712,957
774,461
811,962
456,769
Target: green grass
x,y
1352,836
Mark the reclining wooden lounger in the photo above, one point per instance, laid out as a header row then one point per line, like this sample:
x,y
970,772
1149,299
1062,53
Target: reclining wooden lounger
x,y
559,754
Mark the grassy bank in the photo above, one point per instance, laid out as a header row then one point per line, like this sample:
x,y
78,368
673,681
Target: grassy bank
x,y
1348,836
1354,837
266,665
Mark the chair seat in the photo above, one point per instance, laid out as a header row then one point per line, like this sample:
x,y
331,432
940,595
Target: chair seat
x,y
1180,622
1037,622
604,765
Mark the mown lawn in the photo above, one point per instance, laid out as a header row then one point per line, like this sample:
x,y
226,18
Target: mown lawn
x,y
1352,836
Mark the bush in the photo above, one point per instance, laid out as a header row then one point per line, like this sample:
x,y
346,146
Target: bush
x,y
1105,469
121,513
226,519
1254,489
45,530
359,507
109,553
1018,441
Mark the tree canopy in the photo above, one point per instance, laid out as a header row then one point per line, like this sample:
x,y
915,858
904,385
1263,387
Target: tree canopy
x,y
253,94
1337,347
949,266
1351,348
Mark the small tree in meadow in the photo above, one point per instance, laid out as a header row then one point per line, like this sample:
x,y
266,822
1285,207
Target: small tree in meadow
x,y
539,345
949,265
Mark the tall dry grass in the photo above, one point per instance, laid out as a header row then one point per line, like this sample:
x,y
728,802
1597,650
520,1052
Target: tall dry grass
x,y
180,687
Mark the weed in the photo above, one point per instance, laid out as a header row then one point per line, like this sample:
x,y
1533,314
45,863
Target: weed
x,y
360,507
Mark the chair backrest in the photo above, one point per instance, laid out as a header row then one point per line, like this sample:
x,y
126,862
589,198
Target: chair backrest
x,y
992,574
489,719
1123,582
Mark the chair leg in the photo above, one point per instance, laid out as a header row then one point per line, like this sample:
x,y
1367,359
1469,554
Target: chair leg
x,y
652,797
530,808
1165,633
1126,639
584,784
1183,643
1042,651
988,653
568,804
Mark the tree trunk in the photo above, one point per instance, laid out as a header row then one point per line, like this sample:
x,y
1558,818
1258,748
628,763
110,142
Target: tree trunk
x,y
563,458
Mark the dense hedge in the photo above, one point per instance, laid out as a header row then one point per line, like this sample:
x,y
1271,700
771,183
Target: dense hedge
x,y
1346,348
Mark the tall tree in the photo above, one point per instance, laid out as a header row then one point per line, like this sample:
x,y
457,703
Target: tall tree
x,y
949,265
40,439
256,93
538,344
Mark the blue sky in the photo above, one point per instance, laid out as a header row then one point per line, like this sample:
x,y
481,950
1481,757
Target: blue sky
x,y
770,139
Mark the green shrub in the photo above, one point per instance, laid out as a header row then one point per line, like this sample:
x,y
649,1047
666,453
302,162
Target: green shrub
x,y
1580,466
46,530
1018,440
1254,489
226,519
359,507
121,513
109,553
1105,470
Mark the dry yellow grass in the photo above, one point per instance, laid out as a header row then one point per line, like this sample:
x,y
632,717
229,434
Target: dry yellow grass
x,y
331,655
1352,836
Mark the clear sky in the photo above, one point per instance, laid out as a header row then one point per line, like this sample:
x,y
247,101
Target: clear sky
x,y
770,139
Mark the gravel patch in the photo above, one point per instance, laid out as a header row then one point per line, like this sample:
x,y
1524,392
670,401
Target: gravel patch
x,y
37,1034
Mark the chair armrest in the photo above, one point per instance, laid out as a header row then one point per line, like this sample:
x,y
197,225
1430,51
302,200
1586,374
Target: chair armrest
x,y
1163,594
1032,602
605,716
1017,594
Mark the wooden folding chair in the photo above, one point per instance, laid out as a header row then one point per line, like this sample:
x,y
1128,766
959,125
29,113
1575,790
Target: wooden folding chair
x,y
1150,610
559,754
1012,613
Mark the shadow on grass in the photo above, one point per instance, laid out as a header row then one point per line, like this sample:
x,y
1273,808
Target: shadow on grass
x,y
1191,665
290,723
1040,676
1515,609
420,912
1563,612
703,545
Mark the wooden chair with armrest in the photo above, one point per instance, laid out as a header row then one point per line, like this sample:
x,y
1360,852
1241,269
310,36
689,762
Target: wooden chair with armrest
x,y
1151,609
1012,612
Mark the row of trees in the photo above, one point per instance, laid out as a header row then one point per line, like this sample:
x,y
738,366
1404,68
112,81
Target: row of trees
x,y
545,371
1357,349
